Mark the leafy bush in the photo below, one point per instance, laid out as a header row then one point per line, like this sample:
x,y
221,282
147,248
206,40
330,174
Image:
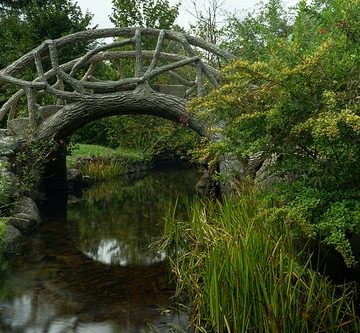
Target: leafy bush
x,y
299,102
331,216
5,192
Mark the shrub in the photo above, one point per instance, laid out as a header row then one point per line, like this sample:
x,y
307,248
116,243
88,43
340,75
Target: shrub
x,y
299,101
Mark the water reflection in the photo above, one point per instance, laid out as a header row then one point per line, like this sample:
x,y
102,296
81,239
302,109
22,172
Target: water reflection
x,y
113,251
117,221
57,286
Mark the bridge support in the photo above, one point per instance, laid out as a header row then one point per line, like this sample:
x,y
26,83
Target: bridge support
x,y
54,176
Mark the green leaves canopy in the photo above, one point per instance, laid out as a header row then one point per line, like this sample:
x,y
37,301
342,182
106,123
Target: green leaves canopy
x,y
26,24
144,13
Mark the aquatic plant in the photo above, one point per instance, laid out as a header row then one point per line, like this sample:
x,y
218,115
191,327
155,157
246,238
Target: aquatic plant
x,y
243,272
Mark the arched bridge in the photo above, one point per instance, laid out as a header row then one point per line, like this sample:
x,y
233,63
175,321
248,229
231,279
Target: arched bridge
x,y
157,71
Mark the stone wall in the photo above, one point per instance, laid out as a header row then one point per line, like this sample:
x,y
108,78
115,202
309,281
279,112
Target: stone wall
x,y
25,214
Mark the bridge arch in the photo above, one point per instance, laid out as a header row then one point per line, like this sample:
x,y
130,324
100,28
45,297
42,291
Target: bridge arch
x,y
137,102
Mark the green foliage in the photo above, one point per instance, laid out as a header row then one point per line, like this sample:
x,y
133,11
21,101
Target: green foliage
x,y
239,267
333,215
101,162
31,161
26,24
3,222
252,36
154,136
92,133
5,192
102,170
144,13
298,100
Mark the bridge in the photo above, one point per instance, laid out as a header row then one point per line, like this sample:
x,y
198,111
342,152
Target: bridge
x,y
55,93
61,97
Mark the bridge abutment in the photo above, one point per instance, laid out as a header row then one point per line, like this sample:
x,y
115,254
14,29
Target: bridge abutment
x,y
54,175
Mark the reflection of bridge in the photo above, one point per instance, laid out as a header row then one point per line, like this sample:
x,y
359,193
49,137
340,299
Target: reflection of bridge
x,y
62,97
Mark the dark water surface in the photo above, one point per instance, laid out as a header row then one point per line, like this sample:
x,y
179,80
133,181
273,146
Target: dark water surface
x,y
90,268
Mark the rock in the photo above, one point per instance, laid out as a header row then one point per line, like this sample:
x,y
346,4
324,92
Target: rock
x,y
4,133
206,185
11,181
230,169
12,238
265,177
28,206
73,175
9,145
23,222
255,162
20,126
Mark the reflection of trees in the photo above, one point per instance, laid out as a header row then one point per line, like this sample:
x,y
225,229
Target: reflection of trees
x,y
128,215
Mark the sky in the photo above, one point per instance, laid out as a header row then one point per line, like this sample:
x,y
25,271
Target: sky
x,y
103,8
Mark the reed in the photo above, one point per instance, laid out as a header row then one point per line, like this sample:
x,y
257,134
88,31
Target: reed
x,y
101,170
243,273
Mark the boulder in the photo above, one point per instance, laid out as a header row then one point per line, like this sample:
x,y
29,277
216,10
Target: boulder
x,y
9,145
231,169
255,162
73,175
23,222
266,177
19,126
27,206
4,133
12,238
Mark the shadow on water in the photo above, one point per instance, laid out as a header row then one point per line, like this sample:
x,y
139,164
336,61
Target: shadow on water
x,y
91,269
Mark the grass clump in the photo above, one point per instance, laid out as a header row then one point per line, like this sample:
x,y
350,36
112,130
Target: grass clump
x,y
101,170
87,150
104,162
242,273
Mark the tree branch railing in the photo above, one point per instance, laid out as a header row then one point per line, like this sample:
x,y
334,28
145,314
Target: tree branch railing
x,y
72,85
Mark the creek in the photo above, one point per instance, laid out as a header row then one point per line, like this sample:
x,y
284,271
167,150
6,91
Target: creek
x,y
89,268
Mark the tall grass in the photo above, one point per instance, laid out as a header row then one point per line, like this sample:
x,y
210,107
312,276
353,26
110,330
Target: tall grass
x,y
101,170
242,273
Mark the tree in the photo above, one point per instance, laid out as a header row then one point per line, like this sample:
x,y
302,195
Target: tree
x,y
207,25
27,23
252,36
144,13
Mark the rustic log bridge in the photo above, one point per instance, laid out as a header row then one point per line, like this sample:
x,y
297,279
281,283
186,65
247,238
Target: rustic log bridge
x,y
78,96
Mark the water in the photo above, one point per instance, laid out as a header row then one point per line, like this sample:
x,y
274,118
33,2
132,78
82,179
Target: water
x,y
90,269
